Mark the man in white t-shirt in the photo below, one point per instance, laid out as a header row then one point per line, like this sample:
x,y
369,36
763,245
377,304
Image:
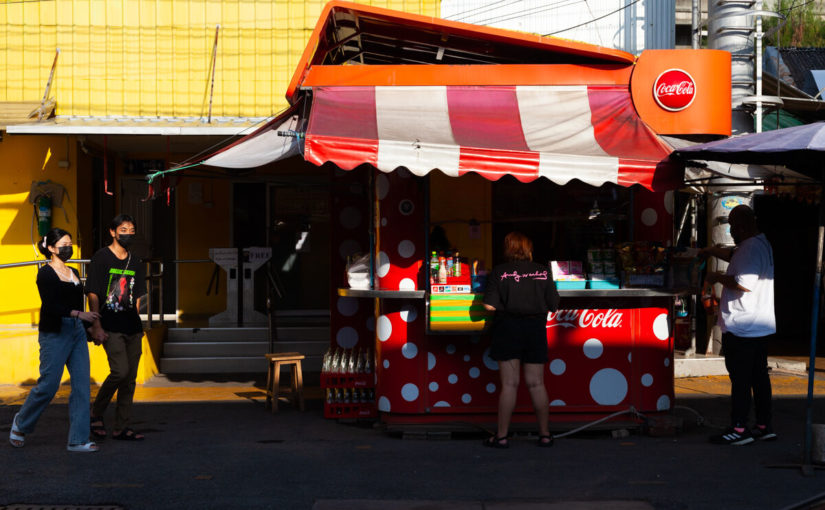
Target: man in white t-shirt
x,y
747,319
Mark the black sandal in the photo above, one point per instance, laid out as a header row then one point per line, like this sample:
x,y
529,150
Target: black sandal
x,y
128,434
545,441
496,442
98,428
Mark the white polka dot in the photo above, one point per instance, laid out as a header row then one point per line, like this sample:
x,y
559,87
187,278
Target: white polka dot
x,y
349,247
450,349
649,217
406,284
409,391
384,404
441,403
433,386
347,337
475,372
668,202
488,361
386,363
558,402
647,380
383,222
466,357
557,366
408,313
593,348
466,398
382,186
406,249
384,328
667,362
430,361
663,404
350,217
370,323
608,387
383,264
347,306
452,379
491,388
409,350
661,327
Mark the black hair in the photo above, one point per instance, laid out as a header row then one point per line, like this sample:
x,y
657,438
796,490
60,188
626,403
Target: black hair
x,y
120,219
50,239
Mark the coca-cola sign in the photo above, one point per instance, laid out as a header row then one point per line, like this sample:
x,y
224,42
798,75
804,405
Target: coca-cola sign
x,y
674,90
585,319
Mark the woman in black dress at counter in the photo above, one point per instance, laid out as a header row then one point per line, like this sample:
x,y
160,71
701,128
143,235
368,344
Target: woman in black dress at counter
x,y
521,292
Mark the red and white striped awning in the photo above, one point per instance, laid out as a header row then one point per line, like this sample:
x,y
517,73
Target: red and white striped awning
x,y
589,133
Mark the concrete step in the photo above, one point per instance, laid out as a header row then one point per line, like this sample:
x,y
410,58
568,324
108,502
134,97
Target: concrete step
x,y
282,333
228,365
234,349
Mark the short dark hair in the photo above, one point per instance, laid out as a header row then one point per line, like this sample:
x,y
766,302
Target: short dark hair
x,y
517,246
120,219
50,239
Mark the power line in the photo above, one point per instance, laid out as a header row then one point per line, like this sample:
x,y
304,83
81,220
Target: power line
x,y
493,7
527,12
454,15
594,19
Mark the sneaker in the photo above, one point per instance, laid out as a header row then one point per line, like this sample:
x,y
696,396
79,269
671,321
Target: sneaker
x,y
764,433
732,437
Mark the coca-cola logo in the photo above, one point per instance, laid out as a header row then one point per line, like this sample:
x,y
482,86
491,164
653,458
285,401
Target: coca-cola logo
x,y
674,90
585,319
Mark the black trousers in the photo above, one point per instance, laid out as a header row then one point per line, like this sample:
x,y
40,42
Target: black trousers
x,y
747,362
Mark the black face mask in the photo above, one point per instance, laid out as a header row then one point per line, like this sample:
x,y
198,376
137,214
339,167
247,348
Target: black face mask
x,y
125,240
64,253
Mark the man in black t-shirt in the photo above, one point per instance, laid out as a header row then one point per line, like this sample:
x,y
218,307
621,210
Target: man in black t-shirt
x,y
115,285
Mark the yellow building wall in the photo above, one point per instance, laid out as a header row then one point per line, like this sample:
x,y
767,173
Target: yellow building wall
x,y
153,57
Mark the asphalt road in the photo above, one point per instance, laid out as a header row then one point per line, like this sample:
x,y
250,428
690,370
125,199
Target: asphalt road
x,y
237,455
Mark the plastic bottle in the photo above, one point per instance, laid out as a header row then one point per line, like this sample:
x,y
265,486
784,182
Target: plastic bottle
x,y
450,264
456,264
442,270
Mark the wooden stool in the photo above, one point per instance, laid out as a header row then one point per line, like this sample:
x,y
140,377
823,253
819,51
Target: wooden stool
x,y
273,378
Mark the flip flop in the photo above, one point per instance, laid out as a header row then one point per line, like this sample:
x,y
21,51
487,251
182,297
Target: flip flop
x,y
128,434
496,442
545,441
99,431
83,447
16,438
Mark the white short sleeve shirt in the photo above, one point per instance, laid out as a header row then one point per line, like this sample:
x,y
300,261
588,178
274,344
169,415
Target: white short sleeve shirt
x,y
750,314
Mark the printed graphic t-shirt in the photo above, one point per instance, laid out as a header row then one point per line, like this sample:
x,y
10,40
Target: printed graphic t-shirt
x,y
522,288
118,288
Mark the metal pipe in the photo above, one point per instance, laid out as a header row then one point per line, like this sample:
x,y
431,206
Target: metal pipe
x,y
695,25
806,461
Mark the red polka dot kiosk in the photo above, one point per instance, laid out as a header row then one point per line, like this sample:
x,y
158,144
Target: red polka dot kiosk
x,y
413,129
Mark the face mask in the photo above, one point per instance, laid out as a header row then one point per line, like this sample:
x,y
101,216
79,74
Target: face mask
x,y
64,253
125,239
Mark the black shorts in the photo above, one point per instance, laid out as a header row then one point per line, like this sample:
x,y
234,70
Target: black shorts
x,y
521,338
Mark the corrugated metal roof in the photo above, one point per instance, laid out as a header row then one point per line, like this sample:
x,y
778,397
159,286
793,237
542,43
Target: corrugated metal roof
x,y
800,61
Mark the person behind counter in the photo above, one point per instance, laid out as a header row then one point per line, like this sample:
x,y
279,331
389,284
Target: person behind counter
x,y
521,292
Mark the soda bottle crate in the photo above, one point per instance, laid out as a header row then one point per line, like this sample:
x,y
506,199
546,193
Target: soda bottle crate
x,y
354,410
331,380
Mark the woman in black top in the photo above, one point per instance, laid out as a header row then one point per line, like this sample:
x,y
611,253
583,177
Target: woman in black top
x,y
62,341
521,292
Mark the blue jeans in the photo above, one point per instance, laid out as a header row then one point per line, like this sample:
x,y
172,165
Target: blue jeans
x,y
66,348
